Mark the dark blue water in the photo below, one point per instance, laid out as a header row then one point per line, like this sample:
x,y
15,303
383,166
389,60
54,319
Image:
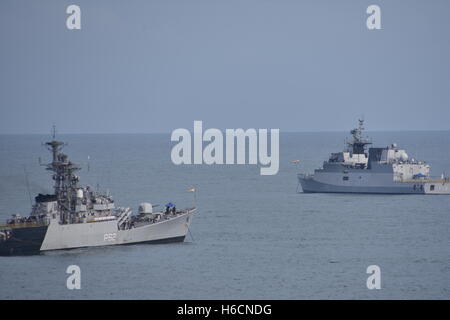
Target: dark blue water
x,y
253,237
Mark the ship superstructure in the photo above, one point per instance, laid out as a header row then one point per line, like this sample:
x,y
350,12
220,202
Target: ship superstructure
x,y
359,169
76,216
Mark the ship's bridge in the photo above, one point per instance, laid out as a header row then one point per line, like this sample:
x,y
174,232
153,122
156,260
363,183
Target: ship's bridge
x,y
350,159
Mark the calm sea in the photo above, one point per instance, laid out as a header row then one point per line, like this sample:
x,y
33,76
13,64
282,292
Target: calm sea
x,y
254,236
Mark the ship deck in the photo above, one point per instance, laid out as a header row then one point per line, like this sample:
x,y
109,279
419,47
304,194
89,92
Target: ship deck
x,y
431,180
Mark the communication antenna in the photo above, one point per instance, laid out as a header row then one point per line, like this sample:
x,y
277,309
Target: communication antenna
x,y
28,185
54,131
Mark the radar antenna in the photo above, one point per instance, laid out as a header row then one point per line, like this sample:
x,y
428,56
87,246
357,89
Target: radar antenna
x,y
54,132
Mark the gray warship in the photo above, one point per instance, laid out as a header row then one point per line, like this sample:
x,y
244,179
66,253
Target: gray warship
x,y
387,170
76,216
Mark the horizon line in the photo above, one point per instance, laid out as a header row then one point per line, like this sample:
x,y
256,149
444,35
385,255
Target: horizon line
x,y
168,132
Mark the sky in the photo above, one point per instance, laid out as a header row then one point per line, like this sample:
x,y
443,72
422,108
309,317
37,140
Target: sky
x,y
157,65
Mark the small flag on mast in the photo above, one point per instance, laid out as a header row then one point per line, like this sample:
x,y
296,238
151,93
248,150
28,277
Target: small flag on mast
x,y
191,190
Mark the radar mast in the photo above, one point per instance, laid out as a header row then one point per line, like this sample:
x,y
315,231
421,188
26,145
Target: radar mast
x,y
66,182
358,145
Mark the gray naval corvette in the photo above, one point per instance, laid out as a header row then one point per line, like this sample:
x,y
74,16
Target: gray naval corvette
x,y
386,170
76,216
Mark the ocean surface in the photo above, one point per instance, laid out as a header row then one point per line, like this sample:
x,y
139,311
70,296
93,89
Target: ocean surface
x,y
254,237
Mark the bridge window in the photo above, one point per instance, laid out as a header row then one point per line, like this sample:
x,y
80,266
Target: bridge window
x,y
345,178
432,187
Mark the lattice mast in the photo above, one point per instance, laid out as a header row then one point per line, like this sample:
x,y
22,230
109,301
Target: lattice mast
x,y
66,181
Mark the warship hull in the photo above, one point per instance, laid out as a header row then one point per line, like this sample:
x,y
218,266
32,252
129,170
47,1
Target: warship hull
x,y
56,236
23,241
309,185
373,185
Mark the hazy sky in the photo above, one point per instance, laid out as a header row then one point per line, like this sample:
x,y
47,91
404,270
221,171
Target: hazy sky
x,y
157,65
